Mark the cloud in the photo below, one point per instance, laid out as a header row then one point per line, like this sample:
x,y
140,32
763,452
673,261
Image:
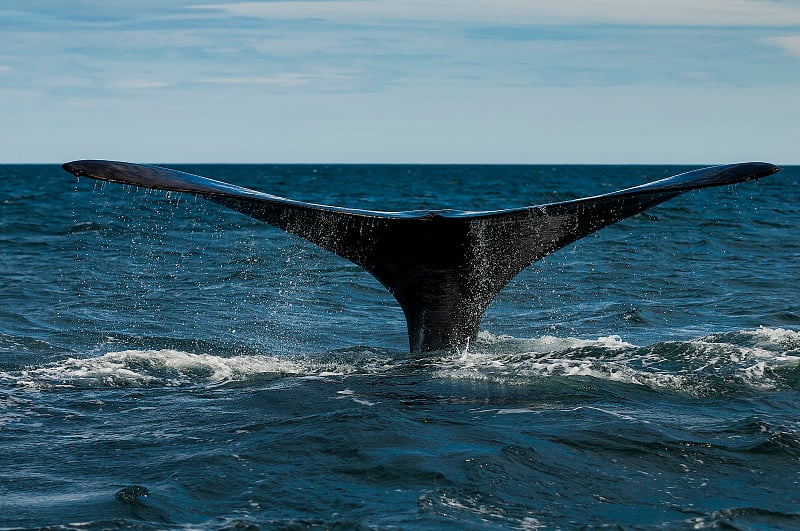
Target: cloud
x,y
788,43
284,79
138,84
699,75
387,80
635,12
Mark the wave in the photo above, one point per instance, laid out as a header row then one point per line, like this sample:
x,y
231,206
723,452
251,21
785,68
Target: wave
x,y
166,367
765,359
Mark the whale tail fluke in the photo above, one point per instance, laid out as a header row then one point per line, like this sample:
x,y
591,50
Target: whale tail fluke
x,y
444,267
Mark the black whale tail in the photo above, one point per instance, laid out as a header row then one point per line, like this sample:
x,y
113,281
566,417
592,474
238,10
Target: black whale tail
x,y
444,267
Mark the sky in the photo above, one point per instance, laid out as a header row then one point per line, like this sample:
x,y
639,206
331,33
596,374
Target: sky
x,y
397,81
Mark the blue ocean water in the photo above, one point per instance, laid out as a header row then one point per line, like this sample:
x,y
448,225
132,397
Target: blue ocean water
x,y
168,364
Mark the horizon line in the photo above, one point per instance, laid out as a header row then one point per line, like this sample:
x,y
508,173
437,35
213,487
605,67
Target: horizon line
x,y
373,163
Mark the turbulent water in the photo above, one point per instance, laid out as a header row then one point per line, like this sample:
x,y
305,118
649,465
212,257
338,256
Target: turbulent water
x,y
168,364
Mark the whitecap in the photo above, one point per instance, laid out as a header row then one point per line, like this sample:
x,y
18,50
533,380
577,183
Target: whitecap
x,y
545,343
166,367
710,364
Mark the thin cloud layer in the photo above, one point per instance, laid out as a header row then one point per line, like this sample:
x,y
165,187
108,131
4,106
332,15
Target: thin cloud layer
x,y
788,43
401,81
627,12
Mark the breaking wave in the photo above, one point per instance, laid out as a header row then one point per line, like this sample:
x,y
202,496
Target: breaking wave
x,y
167,367
763,359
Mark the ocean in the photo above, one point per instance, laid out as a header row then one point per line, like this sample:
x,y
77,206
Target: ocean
x,y
166,363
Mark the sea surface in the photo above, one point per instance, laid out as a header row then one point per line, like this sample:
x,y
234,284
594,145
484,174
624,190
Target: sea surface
x,y
166,363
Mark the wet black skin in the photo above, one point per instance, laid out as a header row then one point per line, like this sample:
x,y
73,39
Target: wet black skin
x,y
444,267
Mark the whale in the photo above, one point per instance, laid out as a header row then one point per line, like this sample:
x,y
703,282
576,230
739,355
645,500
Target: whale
x,y
444,267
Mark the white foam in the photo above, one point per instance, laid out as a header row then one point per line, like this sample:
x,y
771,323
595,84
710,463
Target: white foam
x,y
166,367
770,349
779,336
750,358
547,343
747,358
514,411
522,371
351,395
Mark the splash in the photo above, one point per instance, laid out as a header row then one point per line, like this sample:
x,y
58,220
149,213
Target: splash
x,y
762,359
167,367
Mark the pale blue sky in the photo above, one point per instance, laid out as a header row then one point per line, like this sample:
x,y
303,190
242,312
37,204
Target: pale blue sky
x,y
501,81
